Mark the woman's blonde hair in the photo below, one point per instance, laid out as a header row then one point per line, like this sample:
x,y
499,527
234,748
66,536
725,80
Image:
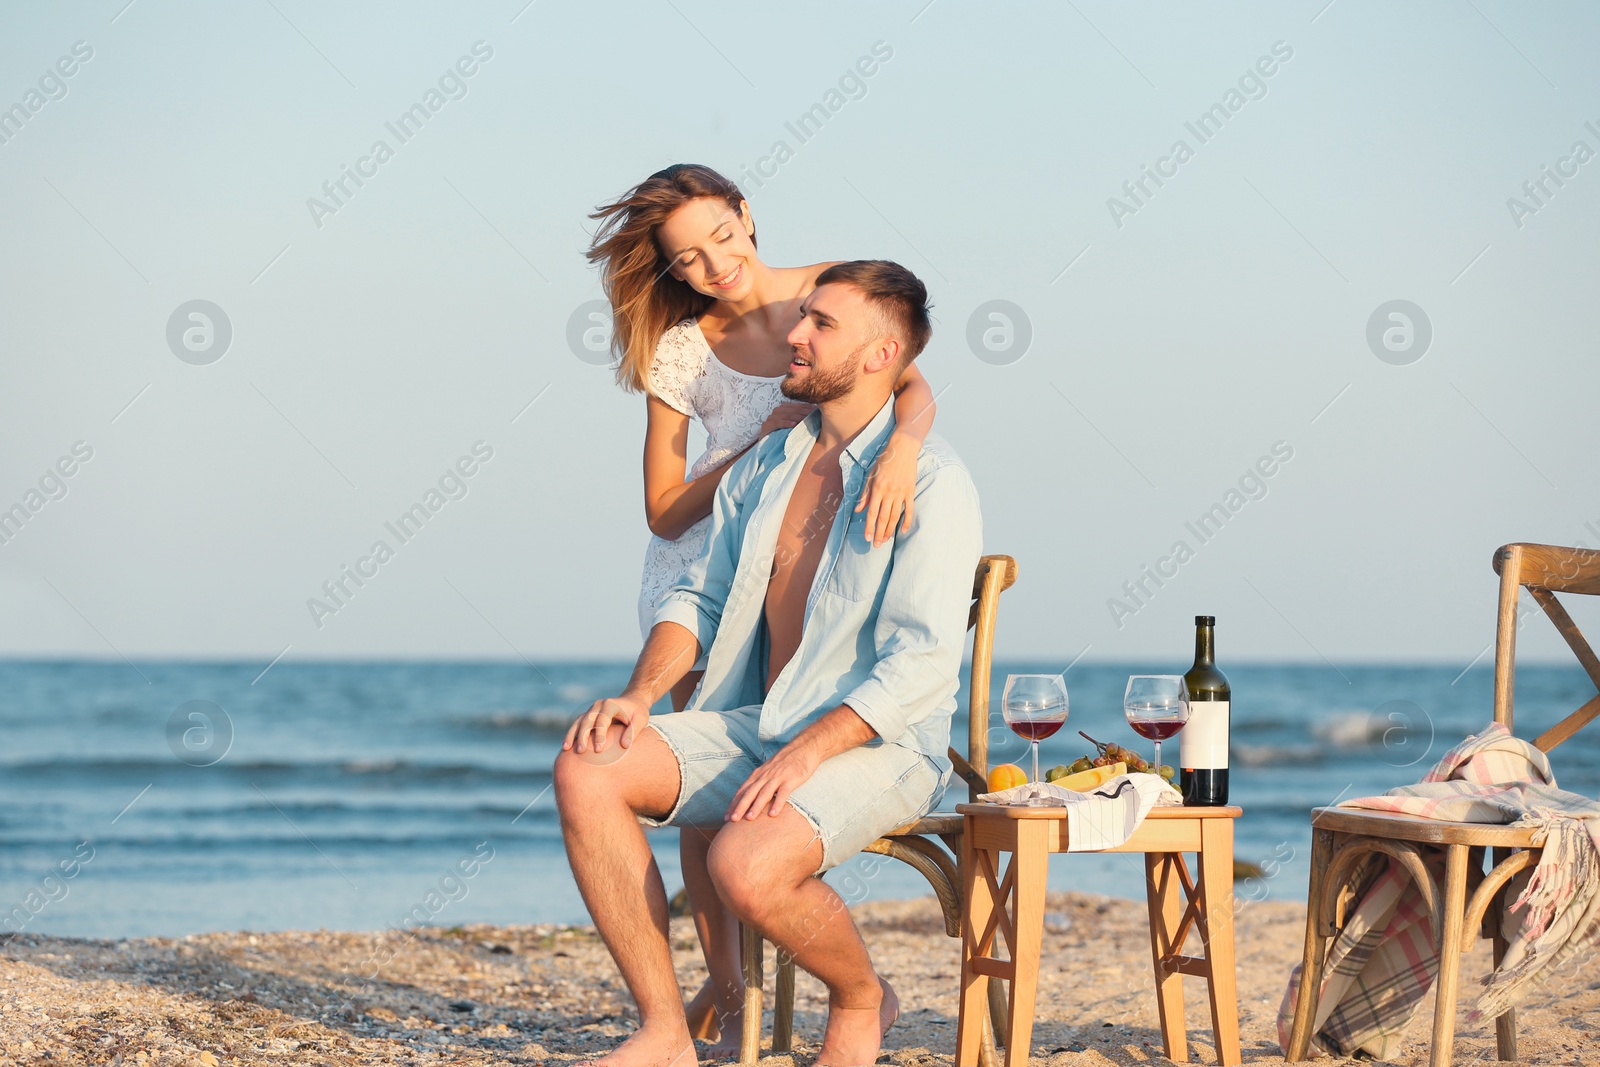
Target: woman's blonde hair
x,y
646,300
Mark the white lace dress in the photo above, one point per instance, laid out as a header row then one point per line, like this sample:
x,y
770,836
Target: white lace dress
x,y
731,406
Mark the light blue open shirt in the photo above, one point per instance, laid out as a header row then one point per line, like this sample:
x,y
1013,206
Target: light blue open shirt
x,y
884,627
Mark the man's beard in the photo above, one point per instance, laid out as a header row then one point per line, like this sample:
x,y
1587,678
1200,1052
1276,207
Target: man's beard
x,y
823,386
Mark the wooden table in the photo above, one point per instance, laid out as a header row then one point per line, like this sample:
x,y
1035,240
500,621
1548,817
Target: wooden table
x,y
1177,904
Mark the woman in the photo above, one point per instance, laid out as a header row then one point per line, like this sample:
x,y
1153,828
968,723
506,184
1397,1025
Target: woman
x,y
699,325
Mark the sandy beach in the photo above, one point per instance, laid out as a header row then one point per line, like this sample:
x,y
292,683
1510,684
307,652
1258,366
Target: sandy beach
x,y
550,994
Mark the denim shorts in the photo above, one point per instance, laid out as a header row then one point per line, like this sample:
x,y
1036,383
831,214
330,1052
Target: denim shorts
x,y
853,799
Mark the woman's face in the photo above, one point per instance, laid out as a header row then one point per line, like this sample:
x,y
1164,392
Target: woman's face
x,y
710,247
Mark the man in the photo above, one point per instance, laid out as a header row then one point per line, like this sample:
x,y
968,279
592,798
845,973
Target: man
x,y
823,718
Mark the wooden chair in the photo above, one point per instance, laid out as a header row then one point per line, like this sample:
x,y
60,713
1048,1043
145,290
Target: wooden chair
x,y
1470,898
931,845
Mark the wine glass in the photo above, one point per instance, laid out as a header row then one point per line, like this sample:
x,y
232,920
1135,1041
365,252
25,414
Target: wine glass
x,y
1035,706
1157,706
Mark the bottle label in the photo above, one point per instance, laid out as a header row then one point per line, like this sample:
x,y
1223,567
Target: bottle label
x,y
1204,740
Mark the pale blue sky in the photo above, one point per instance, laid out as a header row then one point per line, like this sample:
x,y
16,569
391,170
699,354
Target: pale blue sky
x,y
1169,353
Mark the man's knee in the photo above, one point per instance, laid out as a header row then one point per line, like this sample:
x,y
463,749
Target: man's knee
x,y
733,873
589,780
756,864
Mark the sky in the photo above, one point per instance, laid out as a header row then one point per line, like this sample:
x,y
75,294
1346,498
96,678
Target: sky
x,y
1324,272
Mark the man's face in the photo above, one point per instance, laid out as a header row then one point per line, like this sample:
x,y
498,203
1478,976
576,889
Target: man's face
x,y
834,333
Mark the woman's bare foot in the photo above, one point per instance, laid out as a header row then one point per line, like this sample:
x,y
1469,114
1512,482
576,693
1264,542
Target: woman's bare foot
x,y
722,1027
701,1011
649,1048
855,1034
725,1043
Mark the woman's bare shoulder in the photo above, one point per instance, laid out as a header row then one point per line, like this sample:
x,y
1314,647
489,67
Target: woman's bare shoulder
x,y
804,279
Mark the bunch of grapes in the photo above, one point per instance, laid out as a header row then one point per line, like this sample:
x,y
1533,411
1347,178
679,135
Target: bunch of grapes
x,y
1109,754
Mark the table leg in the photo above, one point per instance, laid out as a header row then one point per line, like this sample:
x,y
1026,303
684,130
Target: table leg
x,y
1032,859
1216,928
1164,898
980,905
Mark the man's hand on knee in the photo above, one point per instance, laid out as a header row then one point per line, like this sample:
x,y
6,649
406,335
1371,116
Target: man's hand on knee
x,y
767,790
590,732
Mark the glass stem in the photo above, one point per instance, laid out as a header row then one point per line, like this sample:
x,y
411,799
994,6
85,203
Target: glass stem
x,y
1036,761
1158,755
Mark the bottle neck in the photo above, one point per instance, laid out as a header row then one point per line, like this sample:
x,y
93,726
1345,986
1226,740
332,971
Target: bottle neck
x,y
1204,649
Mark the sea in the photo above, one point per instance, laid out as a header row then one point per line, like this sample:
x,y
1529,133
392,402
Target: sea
x,y
167,798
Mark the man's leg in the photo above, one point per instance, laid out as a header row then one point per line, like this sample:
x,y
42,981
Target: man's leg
x,y
765,868
599,797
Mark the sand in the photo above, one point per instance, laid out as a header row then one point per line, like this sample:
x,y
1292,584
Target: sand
x,y
550,994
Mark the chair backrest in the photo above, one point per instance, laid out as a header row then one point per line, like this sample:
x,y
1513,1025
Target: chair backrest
x,y
995,575
1544,570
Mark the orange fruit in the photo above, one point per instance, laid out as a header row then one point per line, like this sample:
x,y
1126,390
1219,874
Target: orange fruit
x,y
1005,776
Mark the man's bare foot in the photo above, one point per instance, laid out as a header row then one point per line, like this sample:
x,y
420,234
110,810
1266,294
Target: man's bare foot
x,y
855,1034
649,1048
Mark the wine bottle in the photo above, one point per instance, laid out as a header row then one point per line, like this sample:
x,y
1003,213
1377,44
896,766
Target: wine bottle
x,y
1203,751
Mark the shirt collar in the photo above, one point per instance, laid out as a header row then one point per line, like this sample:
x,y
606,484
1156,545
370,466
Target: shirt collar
x,y
862,450
866,445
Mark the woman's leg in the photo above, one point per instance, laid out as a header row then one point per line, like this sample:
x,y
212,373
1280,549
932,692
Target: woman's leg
x,y
717,1011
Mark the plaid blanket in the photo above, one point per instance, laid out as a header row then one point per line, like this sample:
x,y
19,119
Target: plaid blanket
x,y
1382,964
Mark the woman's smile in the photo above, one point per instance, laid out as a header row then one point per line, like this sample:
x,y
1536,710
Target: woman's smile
x,y
729,280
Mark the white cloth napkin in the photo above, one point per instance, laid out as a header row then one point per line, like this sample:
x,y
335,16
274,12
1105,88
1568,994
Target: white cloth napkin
x,y
1101,818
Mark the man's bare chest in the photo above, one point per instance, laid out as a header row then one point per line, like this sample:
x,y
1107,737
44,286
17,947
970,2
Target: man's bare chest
x,y
802,536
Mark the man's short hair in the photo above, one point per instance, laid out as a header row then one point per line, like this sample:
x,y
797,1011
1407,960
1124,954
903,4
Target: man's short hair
x,y
895,293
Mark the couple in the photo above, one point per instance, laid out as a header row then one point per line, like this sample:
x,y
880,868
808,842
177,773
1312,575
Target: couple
x,y
831,650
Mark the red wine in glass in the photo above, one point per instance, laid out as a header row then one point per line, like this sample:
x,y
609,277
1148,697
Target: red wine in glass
x,y
1156,706
1035,707
1037,729
1154,729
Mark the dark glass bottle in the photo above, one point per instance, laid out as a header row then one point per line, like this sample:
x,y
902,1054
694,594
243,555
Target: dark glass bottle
x,y
1203,755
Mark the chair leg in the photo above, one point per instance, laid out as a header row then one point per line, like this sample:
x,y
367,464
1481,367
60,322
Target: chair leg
x,y
1505,1027
1305,1006
988,1054
999,1009
783,1005
1455,906
750,952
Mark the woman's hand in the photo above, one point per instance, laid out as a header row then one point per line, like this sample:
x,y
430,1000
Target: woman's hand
x,y
890,489
784,416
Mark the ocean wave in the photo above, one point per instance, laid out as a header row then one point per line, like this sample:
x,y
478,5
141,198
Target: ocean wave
x,y
1276,755
333,809
397,771
553,722
191,844
1347,729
